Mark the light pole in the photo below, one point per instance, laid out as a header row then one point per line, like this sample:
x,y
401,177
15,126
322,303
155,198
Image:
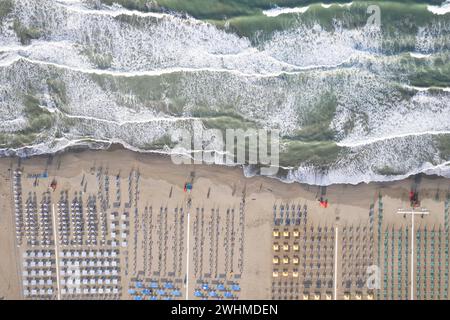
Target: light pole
x,y
412,212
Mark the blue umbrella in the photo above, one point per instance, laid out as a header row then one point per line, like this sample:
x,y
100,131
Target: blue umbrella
x,y
176,293
197,293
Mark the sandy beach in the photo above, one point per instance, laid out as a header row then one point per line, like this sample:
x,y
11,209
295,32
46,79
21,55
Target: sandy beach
x,y
230,237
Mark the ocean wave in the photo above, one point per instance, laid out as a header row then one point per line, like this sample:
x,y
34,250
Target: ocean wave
x,y
270,102
152,73
164,42
425,89
304,174
309,176
363,142
444,8
111,11
349,107
419,55
275,12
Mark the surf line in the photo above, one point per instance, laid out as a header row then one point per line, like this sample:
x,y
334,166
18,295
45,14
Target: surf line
x,y
403,135
159,72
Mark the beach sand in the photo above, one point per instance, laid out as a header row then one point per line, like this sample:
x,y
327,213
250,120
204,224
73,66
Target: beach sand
x,y
231,224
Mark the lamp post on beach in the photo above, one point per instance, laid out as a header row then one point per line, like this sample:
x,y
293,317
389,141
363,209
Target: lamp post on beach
x,y
413,212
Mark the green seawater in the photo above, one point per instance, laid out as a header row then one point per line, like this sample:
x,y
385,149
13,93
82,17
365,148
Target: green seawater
x,y
224,9
347,98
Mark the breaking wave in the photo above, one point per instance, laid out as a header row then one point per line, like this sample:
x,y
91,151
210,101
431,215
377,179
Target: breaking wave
x,y
351,104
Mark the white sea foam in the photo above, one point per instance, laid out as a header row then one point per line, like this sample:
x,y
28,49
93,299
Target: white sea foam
x,y
95,56
444,8
387,160
153,73
167,44
352,144
303,174
419,55
275,12
347,5
386,122
425,89
163,44
112,11
308,175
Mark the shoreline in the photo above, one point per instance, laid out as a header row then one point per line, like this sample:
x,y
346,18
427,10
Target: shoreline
x,y
284,177
234,174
